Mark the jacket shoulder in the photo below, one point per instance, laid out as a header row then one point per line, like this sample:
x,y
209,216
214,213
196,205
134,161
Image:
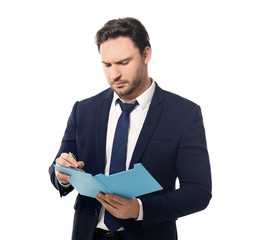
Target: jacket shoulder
x,y
170,99
98,97
169,96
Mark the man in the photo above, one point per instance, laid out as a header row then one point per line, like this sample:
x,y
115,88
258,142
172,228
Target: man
x,y
165,134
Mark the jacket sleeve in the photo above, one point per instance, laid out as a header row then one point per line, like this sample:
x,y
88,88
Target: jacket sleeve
x,y
68,144
193,171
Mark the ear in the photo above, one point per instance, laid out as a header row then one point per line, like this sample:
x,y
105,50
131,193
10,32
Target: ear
x,y
146,55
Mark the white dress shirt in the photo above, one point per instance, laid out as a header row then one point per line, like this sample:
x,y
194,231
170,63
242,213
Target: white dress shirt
x,y
137,117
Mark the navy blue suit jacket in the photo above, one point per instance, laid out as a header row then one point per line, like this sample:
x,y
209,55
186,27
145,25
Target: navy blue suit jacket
x,y
171,145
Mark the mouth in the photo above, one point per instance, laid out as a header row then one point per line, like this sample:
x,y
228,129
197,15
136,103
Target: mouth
x,y
119,84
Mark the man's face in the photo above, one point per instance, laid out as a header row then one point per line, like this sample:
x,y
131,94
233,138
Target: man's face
x,y
125,68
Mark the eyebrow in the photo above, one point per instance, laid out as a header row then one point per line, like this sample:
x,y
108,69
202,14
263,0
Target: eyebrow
x,y
120,61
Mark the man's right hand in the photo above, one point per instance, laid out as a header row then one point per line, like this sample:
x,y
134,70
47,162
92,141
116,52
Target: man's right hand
x,y
66,159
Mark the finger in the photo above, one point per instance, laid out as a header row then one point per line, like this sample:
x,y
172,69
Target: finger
x,y
117,210
118,206
105,202
115,199
71,161
62,161
111,209
100,195
62,177
101,198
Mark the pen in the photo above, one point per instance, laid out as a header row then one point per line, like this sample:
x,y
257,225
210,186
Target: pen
x,y
72,154
71,166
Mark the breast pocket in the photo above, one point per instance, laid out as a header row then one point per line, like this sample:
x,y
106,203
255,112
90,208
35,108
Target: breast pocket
x,y
159,149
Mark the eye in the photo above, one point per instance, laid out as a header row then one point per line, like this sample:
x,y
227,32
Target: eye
x,y
124,63
107,65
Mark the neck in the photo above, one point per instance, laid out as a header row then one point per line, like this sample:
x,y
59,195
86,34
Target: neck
x,y
144,86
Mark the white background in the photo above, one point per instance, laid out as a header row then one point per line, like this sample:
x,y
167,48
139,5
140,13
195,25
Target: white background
x,y
212,52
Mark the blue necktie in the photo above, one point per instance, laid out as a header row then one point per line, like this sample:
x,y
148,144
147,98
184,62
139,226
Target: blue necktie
x,y
119,153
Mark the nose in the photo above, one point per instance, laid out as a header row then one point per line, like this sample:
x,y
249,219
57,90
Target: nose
x,y
115,73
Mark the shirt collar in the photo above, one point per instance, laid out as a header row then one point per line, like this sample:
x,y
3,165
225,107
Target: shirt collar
x,y
144,99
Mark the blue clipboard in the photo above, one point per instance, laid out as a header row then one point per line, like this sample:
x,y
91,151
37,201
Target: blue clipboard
x,y
130,183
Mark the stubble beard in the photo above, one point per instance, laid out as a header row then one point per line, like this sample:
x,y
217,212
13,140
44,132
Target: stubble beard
x,y
127,89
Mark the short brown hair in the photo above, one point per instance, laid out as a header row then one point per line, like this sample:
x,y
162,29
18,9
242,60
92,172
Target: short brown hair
x,y
126,27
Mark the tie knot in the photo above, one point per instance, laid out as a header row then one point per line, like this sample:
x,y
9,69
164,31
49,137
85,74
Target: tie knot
x,y
127,107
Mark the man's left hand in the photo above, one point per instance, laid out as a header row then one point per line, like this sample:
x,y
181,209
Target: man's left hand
x,y
118,206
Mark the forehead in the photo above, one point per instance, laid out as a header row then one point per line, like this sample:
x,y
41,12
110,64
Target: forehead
x,y
117,49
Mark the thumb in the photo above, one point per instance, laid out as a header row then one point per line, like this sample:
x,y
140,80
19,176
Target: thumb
x,y
81,164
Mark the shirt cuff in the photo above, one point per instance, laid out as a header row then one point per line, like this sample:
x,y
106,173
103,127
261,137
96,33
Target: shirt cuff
x,y
140,217
64,185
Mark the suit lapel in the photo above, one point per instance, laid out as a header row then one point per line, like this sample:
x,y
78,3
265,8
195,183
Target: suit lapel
x,y
101,129
149,125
